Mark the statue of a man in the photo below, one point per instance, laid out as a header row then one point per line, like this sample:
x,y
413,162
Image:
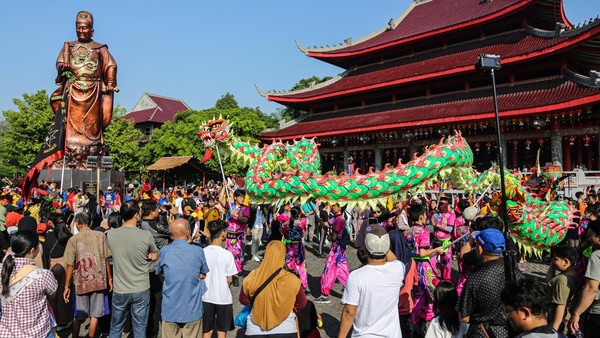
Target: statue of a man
x,y
87,76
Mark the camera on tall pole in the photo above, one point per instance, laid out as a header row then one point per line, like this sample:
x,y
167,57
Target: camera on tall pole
x,y
492,63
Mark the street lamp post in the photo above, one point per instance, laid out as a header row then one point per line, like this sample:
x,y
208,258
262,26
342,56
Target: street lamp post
x,y
492,63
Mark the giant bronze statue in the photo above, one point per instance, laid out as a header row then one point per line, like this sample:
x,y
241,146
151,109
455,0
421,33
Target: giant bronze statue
x,y
87,76
82,105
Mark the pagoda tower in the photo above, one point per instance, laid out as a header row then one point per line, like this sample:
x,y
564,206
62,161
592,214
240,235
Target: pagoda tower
x,y
414,81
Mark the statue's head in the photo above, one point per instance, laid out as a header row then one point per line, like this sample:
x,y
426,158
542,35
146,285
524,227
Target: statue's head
x,y
215,131
84,24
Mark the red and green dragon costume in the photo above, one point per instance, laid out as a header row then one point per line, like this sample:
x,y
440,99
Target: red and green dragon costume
x,y
291,171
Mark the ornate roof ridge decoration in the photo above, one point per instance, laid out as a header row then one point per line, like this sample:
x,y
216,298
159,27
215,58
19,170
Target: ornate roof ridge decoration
x,y
580,28
313,86
391,25
592,81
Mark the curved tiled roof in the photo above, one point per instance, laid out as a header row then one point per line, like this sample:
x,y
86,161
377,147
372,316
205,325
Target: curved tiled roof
x,y
162,109
512,46
424,19
540,96
140,116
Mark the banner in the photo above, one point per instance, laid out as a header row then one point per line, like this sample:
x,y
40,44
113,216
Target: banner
x,y
52,149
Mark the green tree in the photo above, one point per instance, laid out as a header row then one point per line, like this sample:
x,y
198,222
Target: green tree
x,y
226,101
120,137
288,113
23,131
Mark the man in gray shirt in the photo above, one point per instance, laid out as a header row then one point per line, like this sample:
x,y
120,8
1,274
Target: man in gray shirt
x,y
132,249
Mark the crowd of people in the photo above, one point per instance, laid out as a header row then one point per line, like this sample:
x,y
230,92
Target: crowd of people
x,y
153,263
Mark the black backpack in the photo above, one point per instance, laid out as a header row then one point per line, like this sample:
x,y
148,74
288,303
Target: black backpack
x,y
344,238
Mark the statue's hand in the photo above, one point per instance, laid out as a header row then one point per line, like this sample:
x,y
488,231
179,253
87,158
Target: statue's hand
x,y
64,67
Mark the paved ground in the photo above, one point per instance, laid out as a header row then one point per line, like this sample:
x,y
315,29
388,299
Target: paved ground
x,y
331,312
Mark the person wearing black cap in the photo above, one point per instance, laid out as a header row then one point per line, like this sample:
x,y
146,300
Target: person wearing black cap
x,y
369,308
480,304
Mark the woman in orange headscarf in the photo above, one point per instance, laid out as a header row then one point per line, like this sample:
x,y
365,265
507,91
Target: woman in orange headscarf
x,y
275,307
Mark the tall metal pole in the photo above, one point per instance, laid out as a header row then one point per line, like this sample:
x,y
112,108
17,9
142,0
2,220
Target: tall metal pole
x,y
62,174
500,153
509,255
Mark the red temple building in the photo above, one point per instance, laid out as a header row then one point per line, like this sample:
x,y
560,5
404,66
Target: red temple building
x,y
415,80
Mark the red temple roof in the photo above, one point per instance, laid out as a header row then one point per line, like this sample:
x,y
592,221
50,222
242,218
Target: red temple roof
x,y
155,108
514,47
424,19
533,98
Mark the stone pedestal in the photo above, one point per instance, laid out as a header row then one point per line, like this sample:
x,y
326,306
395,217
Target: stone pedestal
x,y
84,179
378,159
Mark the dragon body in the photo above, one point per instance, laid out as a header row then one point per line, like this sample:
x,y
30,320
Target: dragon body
x,y
291,171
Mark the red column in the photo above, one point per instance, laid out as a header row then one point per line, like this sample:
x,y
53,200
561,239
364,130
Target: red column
x,y
515,153
579,145
567,155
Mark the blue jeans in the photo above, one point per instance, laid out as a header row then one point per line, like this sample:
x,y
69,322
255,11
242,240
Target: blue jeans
x,y
122,303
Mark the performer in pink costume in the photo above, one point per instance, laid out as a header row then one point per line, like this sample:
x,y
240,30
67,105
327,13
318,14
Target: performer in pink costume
x,y
237,223
293,232
337,261
417,239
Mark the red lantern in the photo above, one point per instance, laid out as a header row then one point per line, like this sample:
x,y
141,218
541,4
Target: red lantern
x,y
477,145
541,142
572,140
515,144
528,144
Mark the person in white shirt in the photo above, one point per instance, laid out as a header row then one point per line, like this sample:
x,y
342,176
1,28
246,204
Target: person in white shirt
x,y
371,295
217,302
179,202
257,231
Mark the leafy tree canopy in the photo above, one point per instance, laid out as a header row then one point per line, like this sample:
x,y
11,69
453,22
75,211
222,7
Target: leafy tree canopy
x,y
226,101
23,131
288,113
120,137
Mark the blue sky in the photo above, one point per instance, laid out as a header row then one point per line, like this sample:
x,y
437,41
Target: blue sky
x,y
196,50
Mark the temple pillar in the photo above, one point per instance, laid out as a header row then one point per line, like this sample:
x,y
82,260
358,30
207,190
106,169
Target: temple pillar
x,y
567,156
378,159
598,152
503,151
556,149
346,156
579,144
514,146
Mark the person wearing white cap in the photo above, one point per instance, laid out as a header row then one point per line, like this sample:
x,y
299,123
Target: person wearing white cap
x,y
371,295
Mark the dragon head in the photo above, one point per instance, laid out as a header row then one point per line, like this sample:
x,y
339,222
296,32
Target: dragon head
x,y
215,131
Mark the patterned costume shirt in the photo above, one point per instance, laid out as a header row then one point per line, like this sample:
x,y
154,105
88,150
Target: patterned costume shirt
x,y
27,314
88,251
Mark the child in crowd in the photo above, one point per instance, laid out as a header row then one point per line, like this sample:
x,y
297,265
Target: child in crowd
x,y
526,302
562,286
217,302
446,324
